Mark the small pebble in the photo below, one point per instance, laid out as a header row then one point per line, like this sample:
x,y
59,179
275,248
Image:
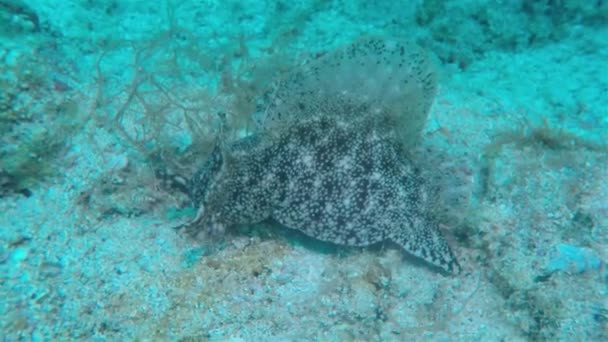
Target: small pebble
x,y
572,259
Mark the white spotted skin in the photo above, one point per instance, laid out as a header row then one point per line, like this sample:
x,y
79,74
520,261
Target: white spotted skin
x,y
333,183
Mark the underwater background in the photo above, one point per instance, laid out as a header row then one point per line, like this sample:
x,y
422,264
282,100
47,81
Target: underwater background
x,y
97,96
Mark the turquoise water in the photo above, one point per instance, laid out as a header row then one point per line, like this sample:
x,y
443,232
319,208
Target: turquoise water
x,y
338,160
